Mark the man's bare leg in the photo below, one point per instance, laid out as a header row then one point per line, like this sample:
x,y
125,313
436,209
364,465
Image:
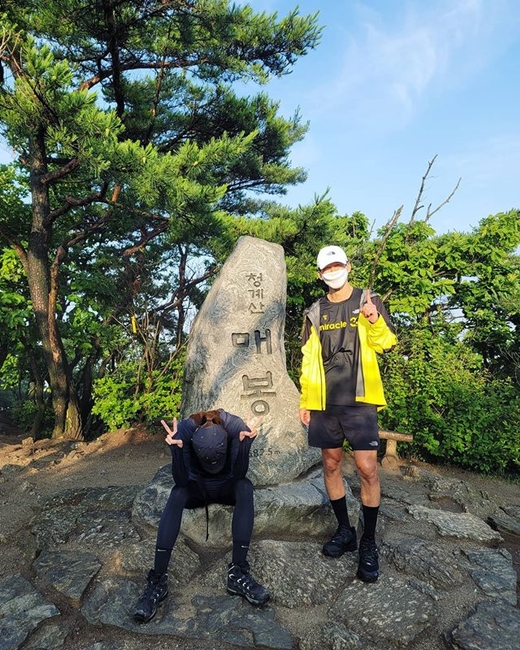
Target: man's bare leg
x,y
344,538
332,461
366,466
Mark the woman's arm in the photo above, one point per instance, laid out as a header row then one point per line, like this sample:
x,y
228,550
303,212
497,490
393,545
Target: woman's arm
x,y
178,439
232,424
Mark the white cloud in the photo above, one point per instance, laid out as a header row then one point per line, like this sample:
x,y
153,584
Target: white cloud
x,y
391,63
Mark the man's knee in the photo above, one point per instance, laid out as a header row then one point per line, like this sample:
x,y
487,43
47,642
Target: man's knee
x,y
367,469
331,461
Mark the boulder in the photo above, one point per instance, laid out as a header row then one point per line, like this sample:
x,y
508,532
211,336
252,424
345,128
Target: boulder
x,y
236,360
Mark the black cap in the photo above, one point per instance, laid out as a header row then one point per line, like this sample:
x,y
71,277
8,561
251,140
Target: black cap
x,y
210,446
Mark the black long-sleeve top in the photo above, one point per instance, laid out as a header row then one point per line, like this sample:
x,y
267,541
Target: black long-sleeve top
x,y
186,466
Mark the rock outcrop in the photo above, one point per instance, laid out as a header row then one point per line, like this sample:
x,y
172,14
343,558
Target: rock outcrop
x,y
447,579
236,359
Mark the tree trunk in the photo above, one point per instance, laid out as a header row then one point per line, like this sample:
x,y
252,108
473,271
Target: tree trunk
x,y
36,393
43,291
86,402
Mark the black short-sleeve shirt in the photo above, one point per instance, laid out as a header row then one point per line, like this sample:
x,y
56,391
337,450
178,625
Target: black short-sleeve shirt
x,y
340,347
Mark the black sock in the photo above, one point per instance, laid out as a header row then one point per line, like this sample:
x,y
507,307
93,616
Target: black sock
x,y
370,521
340,510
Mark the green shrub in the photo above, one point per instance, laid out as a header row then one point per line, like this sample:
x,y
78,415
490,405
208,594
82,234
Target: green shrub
x,y
121,399
458,413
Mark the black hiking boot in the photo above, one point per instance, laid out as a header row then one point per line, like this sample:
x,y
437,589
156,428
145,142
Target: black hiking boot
x,y
241,583
368,568
343,540
155,592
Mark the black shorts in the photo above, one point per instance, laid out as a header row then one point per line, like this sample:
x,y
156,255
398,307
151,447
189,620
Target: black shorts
x,y
357,424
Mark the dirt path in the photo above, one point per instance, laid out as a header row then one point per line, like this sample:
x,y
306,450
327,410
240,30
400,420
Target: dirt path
x,y
31,473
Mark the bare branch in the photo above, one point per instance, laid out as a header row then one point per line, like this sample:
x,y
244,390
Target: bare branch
x,y
146,237
418,200
19,249
177,300
140,65
71,202
388,229
429,213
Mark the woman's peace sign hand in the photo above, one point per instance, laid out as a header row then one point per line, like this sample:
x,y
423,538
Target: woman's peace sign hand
x,y
170,438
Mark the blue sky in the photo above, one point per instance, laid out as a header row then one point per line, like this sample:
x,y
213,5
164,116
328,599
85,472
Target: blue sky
x,y
394,83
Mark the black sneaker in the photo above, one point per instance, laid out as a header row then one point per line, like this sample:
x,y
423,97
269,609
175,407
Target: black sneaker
x,y
155,592
241,583
343,540
368,568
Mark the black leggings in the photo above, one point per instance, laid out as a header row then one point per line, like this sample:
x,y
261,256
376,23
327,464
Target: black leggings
x,y
238,494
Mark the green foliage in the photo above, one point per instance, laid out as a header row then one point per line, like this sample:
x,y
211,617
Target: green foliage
x,y
126,396
140,163
133,147
24,412
116,402
9,373
457,412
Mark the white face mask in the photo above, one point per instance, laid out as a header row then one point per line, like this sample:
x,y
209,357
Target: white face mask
x,y
335,279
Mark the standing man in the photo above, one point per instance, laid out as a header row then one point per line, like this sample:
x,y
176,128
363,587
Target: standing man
x,y
341,391
210,459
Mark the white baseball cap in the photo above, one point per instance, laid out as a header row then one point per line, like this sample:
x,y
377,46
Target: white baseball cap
x,y
329,255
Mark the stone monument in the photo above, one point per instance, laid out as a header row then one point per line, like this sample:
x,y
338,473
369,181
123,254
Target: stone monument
x,y
236,360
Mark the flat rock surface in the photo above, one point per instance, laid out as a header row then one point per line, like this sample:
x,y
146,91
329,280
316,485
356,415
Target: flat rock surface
x,y
75,554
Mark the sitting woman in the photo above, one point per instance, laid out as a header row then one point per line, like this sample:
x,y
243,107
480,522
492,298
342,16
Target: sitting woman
x,y
210,459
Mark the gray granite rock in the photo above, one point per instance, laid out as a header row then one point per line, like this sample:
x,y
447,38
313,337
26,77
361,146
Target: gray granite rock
x,y
333,636
458,525
494,625
298,575
512,510
151,500
111,602
75,514
230,618
49,636
401,494
22,609
440,573
281,511
389,612
106,529
505,524
477,502
493,572
69,572
137,559
234,621
236,360
433,562
287,510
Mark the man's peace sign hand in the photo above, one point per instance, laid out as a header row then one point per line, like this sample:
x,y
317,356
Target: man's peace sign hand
x,y
170,438
369,310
